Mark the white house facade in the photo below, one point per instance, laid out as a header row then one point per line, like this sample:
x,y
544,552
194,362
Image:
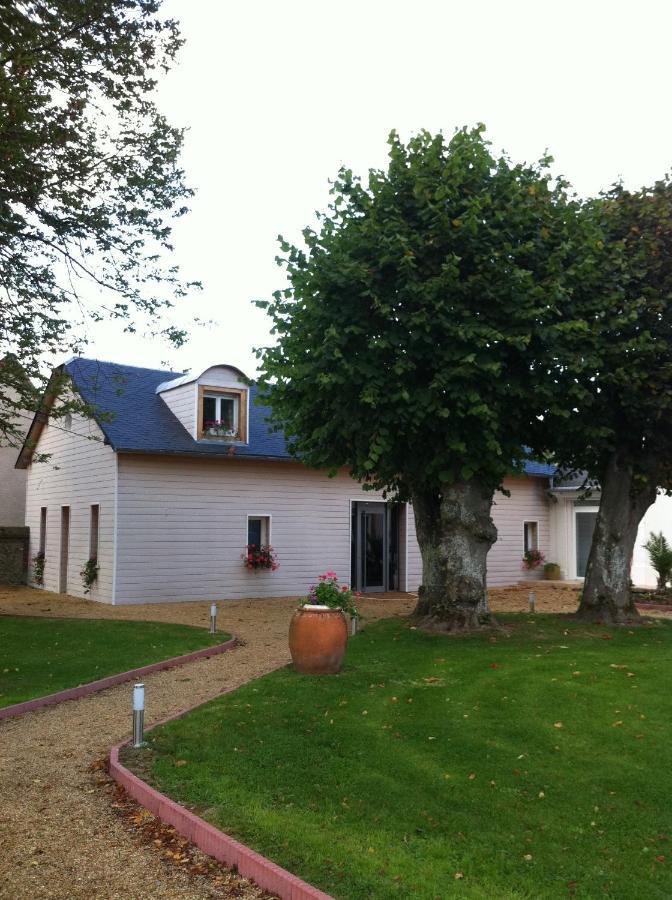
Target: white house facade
x,y
176,474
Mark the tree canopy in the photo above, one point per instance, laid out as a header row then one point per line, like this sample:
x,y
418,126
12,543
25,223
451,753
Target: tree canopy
x,y
408,338
89,176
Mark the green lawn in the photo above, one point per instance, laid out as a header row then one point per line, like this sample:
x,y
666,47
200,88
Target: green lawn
x,y
40,656
533,764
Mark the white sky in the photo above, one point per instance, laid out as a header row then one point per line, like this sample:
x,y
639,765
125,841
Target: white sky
x,y
277,95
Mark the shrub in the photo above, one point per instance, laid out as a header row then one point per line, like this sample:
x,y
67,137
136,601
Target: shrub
x,y
39,561
660,556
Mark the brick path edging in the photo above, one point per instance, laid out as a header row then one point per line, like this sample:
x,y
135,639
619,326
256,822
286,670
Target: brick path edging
x,y
250,864
18,709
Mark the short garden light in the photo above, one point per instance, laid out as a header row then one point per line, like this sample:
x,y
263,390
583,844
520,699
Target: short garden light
x,y
354,622
532,601
138,715
213,618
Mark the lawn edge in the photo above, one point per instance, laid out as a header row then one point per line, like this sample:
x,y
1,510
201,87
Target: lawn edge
x,y
225,849
92,687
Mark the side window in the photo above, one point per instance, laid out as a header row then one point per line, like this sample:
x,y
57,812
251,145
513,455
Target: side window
x,y
43,529
530,536
93,531
258,531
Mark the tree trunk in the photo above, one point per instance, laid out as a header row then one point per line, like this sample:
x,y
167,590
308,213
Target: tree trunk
x,y
455,532
606,592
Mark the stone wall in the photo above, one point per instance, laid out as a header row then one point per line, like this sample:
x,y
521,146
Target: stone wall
x,y
14,555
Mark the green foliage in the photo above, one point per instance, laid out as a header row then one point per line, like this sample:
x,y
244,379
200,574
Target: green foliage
x,y
89,574
39,562
660,556
408,337
622,358
89,178
522,762
329,592
40,656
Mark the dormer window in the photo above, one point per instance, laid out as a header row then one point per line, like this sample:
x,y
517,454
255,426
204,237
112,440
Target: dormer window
x,y
222,414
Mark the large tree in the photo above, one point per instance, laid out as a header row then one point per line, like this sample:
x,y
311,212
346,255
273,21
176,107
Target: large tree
x,y
89,178
620,432
407,340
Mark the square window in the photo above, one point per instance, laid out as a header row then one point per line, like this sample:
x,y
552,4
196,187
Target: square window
x,y
223,414
258,531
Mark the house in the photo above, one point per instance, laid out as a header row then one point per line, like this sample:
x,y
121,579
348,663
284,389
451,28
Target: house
x,y
12,480
573,512
176,473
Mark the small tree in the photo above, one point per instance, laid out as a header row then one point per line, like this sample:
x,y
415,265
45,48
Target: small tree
x,y
660,556
407,341
89,180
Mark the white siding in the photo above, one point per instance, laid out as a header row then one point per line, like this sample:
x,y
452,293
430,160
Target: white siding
x,y
80,471
182,403
183,526
528,502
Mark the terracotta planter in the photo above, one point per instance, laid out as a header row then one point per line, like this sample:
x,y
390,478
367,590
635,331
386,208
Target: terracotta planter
x,y
317,639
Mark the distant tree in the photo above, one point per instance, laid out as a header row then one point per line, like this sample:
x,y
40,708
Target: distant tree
x,y
89,178
620,431
408,336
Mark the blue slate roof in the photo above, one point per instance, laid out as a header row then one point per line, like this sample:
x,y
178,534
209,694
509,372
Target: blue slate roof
x,y
141,422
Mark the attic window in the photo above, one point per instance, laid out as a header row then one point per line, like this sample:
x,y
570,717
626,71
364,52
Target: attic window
x,y
222,414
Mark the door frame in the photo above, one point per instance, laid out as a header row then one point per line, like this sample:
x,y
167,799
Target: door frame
x,y
577,511
357,509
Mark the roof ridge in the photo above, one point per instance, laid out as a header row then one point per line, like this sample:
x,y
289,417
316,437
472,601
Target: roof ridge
x,y
121,365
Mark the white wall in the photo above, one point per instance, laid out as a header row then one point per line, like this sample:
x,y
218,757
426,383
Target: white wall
x,y
182,402
12,489
657,518
81,471
528,502
182,526
13,481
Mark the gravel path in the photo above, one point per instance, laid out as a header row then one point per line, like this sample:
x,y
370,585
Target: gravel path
x,y
59,836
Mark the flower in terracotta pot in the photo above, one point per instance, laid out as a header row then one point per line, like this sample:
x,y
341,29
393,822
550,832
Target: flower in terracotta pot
x,y
318,632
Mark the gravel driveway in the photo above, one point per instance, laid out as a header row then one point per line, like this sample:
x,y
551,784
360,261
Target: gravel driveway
x,y
59,836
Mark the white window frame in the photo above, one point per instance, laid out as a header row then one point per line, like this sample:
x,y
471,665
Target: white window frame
x,y
266,521
218,397
534,522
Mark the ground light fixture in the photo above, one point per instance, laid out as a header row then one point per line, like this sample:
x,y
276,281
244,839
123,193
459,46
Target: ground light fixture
x,y
532,601
213,618
138,715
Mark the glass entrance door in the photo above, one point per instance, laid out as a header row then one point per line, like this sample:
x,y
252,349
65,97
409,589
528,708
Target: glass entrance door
x,y
375,547
585,526
373,550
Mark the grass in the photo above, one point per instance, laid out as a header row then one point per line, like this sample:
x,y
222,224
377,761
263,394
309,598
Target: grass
x,y
40,656
530,764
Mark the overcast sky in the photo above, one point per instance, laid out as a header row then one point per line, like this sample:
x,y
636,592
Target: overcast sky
x,y
278,95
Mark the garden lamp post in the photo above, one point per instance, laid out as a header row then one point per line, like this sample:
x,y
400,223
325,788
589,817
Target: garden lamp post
x,y
138,715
